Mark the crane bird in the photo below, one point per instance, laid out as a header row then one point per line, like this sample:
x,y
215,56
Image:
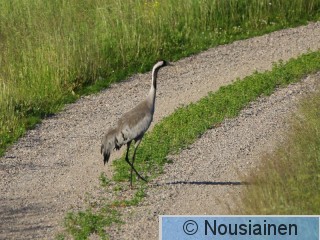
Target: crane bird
x,y
132,125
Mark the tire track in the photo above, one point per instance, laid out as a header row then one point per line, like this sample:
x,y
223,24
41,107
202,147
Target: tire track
x,y
53,166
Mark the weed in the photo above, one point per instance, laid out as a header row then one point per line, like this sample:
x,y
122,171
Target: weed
x,y
288,180
185,125
51,52
104,181
83,223
137,198
60,237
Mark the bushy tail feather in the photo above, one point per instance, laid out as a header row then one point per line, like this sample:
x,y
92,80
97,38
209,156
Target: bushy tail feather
x,y
109,142
106,147
106,153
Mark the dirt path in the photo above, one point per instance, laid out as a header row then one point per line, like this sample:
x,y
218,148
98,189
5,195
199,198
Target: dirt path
x,y
206,178
53,166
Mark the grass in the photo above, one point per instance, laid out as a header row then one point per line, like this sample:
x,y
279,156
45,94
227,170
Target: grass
x,y
104,181
184,126
181,128
288,180
99,215
83,223
51,52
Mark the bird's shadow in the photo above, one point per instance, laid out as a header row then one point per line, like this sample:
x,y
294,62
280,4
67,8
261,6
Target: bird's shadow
x,y
220,183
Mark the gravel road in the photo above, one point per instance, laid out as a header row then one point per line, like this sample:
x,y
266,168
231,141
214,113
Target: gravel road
x,y
206,178
49,170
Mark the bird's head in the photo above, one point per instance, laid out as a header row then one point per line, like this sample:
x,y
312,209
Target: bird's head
x,y
155,70
162,63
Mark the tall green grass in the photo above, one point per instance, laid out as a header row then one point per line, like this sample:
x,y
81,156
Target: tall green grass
x,y
288,180
52,51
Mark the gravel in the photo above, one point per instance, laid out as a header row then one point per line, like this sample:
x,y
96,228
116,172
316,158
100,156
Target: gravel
x,y
206,178
52,167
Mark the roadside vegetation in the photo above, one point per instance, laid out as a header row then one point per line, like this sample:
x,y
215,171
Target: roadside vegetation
x,y
185,125
51,52
288,180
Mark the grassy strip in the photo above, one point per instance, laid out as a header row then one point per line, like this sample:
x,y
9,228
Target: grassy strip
x,y
100,214
181,128
82,224
53,51
184,126
288,180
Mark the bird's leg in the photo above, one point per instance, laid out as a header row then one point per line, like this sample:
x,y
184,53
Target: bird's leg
x,y
127,155
134,157
127,160
131,165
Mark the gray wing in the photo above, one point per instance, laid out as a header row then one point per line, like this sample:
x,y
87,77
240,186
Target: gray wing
x,y
135,123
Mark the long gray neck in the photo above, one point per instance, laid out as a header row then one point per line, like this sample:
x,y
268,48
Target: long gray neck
x,y
152,93
154,78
